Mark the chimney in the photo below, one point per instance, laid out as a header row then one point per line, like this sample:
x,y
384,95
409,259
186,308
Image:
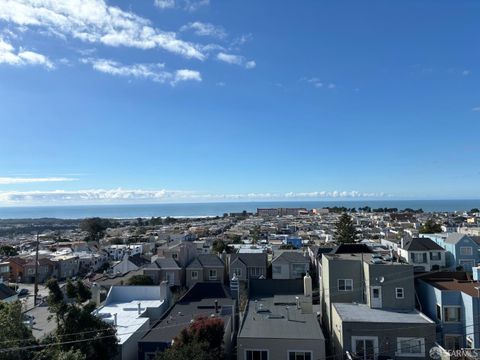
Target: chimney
x,y
216,306
115,319
288,313
307,286
96,294
139,308
297,300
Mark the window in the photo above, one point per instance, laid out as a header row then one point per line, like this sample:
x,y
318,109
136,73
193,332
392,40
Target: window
x,y
237,272
466,250
365,347
30,271
439,313
452,342
277,269
4,269
194,275
410,346
436,255
212,274
255,271
466,264
298,270
399,293
451,314
419,258
299,355
256,354
345,284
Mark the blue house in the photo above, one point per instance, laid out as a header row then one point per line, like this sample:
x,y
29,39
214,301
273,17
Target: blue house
x,y
461,249
453,302
295,242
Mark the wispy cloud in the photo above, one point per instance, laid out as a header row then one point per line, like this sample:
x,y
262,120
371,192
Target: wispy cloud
x,y
23,180
477,108
205,29
236,60
153,72
93,21
318,83
9,55
189,5
163,195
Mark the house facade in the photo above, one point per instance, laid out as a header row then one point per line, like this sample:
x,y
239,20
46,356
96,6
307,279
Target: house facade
x,y
247,266
290,265
205,268
423,253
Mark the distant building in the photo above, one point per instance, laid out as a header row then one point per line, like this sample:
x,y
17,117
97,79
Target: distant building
x,y
205,268
423,253
271,212
289,265
248,266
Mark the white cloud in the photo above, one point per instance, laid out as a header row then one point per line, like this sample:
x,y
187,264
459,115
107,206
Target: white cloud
x,y
163,195
93,21
9,55
187,75
476,108
153,72
205,29
21,180
193,5
332,86
236,60
466,72
165,4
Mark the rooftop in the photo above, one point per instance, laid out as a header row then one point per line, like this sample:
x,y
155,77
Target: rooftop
x,y
466,286
363,313
278,317
422,244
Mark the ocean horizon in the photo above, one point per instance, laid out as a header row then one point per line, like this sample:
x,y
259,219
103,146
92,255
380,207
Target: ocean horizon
x,y
127,211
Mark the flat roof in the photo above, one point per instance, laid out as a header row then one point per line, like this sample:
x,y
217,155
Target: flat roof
x,y
465,286
267,317
363,313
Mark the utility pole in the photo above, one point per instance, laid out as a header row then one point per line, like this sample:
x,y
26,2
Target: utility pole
x,y
36,275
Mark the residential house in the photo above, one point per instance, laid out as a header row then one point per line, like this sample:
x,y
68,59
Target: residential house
x,y
279,323
205,268
423,253
462,251
202,299
4,271
133,310
66,265
165,269
23,269
182,251
247,266
129,263
290,265
368,306
452,301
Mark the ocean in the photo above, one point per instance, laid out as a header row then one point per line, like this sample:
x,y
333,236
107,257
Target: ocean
x,y
213,209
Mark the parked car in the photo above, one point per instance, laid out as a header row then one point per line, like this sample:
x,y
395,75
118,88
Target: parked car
x,y
23,292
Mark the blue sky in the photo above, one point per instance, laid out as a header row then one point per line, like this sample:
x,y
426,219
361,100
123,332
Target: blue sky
x,y
196,100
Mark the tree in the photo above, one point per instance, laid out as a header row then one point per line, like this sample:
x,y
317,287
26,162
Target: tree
x,y
83,293
13,332
95,227
345,230
70,289
140,280
474,211
219,246
430,227
81,334
201,340
7,250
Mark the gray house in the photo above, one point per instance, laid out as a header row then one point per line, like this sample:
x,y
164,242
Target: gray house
x,y
279,323
165,269
368,306
248,266
290,265
205,268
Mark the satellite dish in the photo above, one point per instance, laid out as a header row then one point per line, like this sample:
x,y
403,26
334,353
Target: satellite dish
x,y
382,279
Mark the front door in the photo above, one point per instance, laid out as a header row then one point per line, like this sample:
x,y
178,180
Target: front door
x,y
365,348
376,296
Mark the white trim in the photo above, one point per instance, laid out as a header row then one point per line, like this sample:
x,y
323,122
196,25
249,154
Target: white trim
x,y
421,353
245,352
299,351
468,253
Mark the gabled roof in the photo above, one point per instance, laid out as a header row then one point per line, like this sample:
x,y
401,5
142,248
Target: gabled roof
x,y
292,256
137,260
164,263
6,292
206,260
422,244
250,260
454,238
